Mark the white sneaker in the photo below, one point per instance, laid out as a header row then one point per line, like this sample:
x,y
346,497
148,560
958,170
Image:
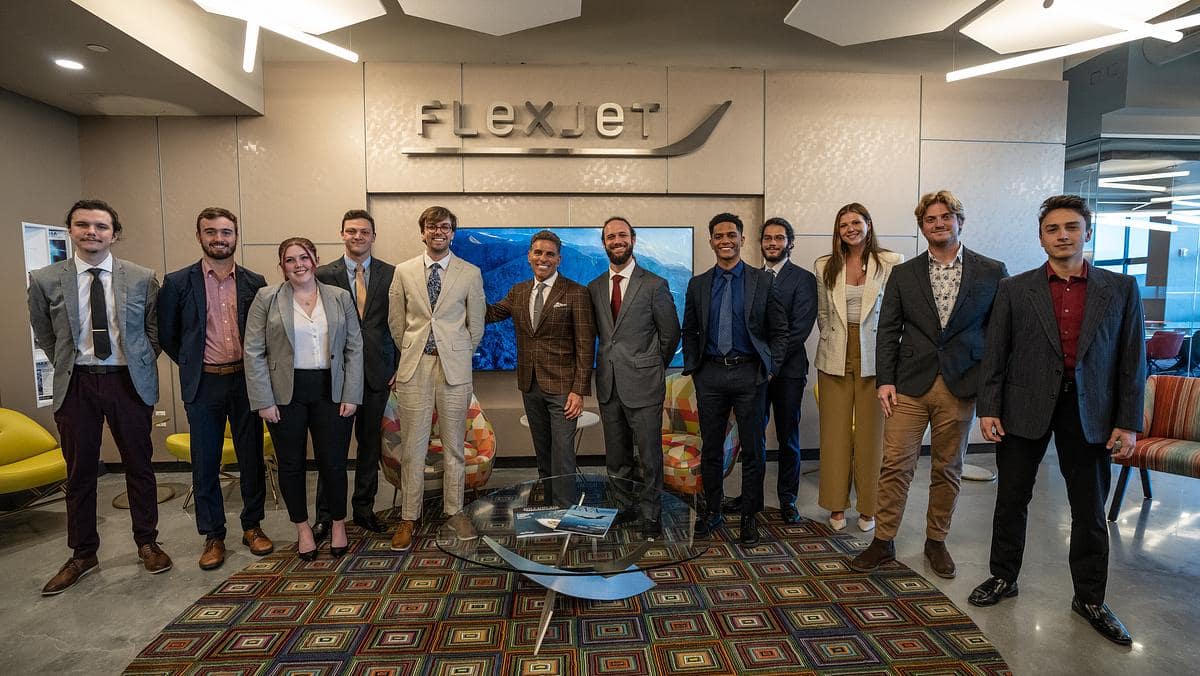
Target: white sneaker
x,y
837,524
866,525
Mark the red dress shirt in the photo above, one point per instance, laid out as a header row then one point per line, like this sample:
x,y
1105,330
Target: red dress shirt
x,y
1069,296
222,338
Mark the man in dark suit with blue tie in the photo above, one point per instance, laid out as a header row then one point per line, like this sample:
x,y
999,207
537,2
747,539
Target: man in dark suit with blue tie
x,y
201,323
735,335
367,279
1065,357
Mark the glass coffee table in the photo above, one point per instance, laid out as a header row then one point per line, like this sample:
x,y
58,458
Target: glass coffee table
x,y
598,568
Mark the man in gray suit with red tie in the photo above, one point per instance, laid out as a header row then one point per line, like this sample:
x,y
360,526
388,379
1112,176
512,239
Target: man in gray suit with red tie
x,y
1065,357
638,328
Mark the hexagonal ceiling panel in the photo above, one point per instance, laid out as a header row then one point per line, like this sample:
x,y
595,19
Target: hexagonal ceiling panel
x,y
1021,25
492,17
853,22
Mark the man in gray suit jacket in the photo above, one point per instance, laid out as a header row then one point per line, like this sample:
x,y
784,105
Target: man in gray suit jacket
x,y
94,317
638,328
932,319
1065,357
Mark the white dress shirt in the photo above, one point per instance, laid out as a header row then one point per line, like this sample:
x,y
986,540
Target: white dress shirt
x,y
83,341
444,263
778,267
545,293
625,272
311,342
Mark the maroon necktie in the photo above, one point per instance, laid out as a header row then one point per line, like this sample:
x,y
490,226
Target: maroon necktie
x,y
616,297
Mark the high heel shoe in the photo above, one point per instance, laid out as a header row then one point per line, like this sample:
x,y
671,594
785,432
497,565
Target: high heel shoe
x,y
339,552
310,555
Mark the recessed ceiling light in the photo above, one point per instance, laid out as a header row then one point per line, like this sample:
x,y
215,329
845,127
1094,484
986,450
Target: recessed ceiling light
x,y
68,64
97,48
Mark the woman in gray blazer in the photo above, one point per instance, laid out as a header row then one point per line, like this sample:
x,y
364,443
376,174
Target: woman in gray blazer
x,y
304,375
850,283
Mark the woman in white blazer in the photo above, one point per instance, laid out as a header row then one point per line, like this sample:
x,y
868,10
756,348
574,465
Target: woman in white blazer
x,y
304,374
850,283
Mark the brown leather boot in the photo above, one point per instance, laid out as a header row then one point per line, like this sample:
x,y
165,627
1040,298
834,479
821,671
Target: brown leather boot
x,y
939,559
213,555
403,538
70,573
258,542
154,558
874,556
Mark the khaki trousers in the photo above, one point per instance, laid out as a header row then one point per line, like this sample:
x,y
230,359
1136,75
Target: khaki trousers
x,y
418,397
851,435
950,420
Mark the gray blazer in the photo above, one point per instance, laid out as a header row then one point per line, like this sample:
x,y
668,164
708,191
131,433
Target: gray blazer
x,y
54,315
636,348
268,346
1023,367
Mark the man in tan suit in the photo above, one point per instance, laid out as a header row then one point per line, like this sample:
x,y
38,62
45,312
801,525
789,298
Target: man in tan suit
x,y
436,318
556,338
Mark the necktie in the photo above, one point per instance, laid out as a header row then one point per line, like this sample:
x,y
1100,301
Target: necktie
x,y
772,271
435,289
725,316
360,290
538,301
101,345
616,296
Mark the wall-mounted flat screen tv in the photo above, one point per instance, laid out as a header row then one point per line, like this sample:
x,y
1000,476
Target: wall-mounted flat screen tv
x,y
501,254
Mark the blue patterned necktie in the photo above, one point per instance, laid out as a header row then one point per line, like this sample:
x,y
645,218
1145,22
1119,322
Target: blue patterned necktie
x,y
435,289
725,316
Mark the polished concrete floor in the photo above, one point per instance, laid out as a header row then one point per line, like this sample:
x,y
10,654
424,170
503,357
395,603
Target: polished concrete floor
x,y
1154,580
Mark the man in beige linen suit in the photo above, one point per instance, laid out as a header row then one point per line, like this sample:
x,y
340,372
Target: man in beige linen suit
x,y
436,318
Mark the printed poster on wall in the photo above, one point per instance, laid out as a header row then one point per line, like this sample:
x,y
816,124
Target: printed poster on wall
x,y
44,244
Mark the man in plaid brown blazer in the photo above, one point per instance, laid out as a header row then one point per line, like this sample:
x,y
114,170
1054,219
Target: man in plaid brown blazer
x,y
556,336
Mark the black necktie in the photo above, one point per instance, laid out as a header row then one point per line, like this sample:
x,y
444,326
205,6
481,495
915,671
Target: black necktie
x,y
102,346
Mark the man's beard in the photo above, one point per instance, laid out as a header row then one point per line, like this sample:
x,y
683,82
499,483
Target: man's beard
x,y
621,258
782,255
220,255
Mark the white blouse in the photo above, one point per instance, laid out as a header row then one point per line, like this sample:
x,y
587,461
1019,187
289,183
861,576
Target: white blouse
x,y
311,340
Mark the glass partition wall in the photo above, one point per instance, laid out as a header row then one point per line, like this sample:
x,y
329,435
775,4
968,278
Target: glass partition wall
x,y
1145,194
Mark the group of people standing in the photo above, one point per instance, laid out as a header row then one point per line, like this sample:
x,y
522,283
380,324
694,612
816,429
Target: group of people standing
x,y
904,345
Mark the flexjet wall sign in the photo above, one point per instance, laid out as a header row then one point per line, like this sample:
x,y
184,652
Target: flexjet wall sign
x,y
609,121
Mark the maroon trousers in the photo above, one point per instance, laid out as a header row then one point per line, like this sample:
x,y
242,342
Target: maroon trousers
x,y
92,399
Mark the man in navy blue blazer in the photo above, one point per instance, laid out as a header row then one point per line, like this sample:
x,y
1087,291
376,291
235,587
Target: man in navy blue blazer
x,y
201,321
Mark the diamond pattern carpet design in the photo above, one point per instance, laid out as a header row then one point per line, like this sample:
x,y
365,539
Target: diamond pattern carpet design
x,y
790,605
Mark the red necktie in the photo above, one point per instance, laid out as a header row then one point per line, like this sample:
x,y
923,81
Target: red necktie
x,y
616,296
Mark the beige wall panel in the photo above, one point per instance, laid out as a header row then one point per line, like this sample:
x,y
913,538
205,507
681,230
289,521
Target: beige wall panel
x,y
199,169
834,138
565,85
39,181
303,164
731,161
394,93
984,109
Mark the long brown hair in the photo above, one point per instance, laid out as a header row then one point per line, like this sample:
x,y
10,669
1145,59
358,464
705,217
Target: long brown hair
x,y
837,259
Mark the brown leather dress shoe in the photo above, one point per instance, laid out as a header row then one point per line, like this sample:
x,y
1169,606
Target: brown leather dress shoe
x,y
939,559
69,574
213,555
153,558
403,538
258,542
878,553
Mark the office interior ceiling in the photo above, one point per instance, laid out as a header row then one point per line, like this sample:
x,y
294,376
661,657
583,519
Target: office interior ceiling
x,y
491,17
853,22
1020,25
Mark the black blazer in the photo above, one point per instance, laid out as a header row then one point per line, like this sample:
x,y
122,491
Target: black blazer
x,y
766,320
380,355
911,347
797,289
182,315
1023,367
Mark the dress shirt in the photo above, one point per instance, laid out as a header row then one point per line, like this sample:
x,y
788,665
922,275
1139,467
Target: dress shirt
x,y
83,342
1069,296
625,272
945,280
311,341
444,263
222,337
545,294
351,265
776,268
741,336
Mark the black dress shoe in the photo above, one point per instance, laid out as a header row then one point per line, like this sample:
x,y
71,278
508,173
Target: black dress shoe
x,y
368,522
790,514
732,505
992,591
321,530
625,516
651,529
749,535
1102,620
707,526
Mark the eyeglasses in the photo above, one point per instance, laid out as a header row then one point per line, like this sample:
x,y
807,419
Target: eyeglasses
x,y
437,228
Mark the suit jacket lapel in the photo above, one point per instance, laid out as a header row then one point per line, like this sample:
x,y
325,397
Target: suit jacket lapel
x,y
966,284
922,273
374,285
704,301
333,312
338,268
631,289
601,303
870,291
200,295
750,286
1098,296
285,307
70,287
521,314
1043,306
556,292
449,278
118,282
245,296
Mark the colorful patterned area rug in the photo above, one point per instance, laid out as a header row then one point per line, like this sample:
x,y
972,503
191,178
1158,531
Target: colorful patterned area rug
x,y
790,605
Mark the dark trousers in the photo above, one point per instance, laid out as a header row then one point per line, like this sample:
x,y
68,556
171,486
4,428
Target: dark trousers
x,y
311,411
1085,467
553,440
219,398
91,400
368,432
784,396
720,389
635,476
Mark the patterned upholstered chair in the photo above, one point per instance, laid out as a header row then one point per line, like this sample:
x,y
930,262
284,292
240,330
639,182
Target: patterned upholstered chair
x,y
1171,439
479,449
31,462
681,438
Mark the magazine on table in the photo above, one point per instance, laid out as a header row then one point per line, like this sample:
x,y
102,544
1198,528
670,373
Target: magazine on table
x,y
590,521
532,522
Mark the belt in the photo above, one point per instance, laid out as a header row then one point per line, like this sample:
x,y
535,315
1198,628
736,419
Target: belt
x,y
100,370
223,369
730,360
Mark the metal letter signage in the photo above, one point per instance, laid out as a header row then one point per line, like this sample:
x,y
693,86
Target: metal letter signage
x,y
500,121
